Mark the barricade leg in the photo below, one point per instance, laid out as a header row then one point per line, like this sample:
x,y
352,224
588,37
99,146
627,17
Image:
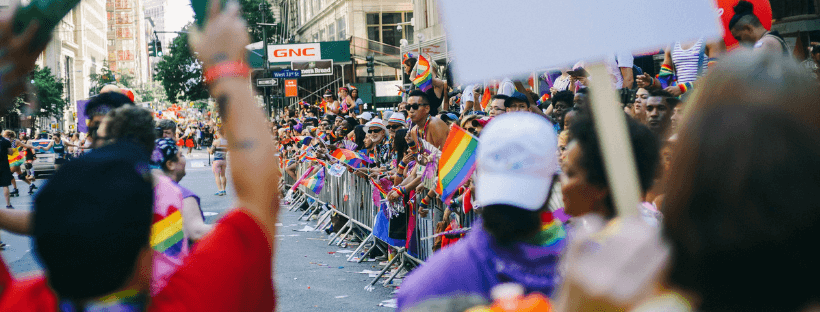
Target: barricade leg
x,y
383,271
364,241
309,210
343,237
320,223
402,264
333,237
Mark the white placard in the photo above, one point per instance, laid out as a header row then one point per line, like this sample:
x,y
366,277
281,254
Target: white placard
x,y
387,88
492,39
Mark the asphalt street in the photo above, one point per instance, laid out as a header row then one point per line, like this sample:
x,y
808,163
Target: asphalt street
x,y
310,275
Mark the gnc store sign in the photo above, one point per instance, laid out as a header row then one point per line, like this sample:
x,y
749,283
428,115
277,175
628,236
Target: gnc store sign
x,y
294,52
285,54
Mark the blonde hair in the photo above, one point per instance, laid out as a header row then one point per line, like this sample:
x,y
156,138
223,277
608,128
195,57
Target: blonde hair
x,y
9,134
563,138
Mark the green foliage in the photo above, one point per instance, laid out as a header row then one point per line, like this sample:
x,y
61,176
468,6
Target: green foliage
x,y
48,93
151,92
106,77
252,15
181,73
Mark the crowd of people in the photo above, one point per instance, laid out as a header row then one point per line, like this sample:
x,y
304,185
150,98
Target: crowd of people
x,y
726,174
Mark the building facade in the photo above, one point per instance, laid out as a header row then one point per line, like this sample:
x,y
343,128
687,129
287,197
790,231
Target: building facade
x,y
127,42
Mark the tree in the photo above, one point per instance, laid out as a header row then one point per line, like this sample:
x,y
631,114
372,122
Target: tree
x,y
47,98
151,92
181,73
106,77
251,14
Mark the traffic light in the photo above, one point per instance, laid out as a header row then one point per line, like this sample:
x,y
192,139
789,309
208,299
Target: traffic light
x,y
370,69
159,48
152,48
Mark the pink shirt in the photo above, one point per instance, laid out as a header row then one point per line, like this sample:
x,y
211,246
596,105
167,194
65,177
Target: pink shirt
x,y
167,237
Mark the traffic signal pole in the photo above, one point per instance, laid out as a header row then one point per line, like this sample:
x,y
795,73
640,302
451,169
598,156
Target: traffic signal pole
x,y
262,8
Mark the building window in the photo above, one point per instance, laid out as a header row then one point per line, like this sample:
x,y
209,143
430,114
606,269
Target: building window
x,y
316,37
341,28
68,72
322,34
331,32
382,27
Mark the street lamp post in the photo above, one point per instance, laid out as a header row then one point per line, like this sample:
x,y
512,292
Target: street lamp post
x,y
262,7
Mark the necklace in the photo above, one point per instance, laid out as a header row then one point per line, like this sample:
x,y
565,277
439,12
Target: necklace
x,y
421,134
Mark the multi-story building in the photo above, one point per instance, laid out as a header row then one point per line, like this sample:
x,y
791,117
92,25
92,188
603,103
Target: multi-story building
x,y
127,45
78,48
158,11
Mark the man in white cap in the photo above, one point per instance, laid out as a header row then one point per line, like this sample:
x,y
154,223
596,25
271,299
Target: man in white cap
x,y
517,238
364,117
377,133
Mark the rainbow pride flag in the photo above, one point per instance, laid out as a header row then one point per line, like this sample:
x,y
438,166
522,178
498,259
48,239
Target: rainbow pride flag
x,y
485,99
348,157
424,74
166,233
457,162
316,182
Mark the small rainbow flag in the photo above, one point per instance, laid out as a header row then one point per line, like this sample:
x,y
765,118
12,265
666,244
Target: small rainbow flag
x,y
348,157
424,74
457,162
485,99
166,232
379,187
316,182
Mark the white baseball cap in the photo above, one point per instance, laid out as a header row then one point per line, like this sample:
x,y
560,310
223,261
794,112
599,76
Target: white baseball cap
x,y
365,116
516,161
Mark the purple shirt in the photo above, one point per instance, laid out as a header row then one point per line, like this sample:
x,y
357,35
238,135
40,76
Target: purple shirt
x,y
477,263
188,193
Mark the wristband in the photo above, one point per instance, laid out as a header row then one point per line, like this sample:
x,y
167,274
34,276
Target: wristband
x,y
226,69
425,202
685,87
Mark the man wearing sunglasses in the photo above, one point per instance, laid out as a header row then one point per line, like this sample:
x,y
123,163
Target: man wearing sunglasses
x,y
427,128
396,122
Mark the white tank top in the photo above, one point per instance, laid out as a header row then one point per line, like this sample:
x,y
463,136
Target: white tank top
x,y
686,62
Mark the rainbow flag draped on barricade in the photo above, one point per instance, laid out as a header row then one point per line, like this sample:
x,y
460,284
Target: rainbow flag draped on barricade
x,y
424,74
349,157
316,182
457,162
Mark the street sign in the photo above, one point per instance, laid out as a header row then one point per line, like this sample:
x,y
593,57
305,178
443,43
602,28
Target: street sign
x,y
287,73
314,68
291,88
267,82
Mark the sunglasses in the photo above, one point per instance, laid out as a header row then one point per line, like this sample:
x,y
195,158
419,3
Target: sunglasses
x,y
374,131
472,131
394,127
416,106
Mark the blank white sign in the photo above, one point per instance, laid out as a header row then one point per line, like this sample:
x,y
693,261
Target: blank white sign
x,y
495,38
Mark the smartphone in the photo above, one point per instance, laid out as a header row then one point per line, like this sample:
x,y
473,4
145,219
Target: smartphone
x,y
201,10
47,12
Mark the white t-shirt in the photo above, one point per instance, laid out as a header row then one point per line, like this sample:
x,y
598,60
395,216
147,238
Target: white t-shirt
x,y
467,95
614,63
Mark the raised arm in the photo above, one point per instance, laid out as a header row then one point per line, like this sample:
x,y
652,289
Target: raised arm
x,y
255,177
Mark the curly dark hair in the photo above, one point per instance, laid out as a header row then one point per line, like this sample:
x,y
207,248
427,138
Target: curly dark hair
x,y
131,123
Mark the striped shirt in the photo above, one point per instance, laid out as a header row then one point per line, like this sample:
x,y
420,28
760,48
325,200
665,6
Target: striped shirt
x,y
686,62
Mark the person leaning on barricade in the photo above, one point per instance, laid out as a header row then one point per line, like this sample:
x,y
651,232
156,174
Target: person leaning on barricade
x,y
109,214
517,238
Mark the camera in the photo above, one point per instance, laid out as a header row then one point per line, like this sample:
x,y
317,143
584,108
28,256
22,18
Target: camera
x,y
628,96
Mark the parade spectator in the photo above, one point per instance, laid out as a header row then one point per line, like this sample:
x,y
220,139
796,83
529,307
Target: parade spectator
x,y
429,131
220,166
518,231
333,105
5,170
358,103
364,117
675,105
396,122
581,99
561,102
517,102
171,162
498,105
98,107
584,183
747,30
658,112
167,128
473,124
682,67
569,118
640,105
